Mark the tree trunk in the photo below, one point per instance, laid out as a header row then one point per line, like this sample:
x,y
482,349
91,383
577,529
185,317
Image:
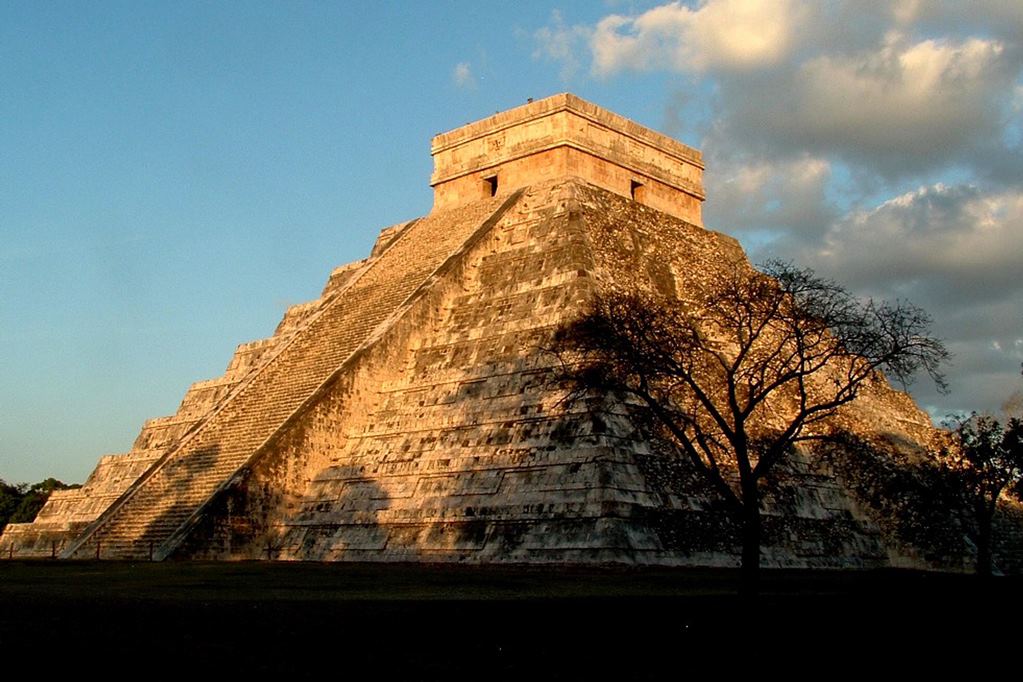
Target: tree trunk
x,y
984,546
750,566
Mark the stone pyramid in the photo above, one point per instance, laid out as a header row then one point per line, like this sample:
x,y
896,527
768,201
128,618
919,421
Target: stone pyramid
x,y
408,414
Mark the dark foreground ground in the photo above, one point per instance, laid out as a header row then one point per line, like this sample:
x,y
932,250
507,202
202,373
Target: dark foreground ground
x,y
123,620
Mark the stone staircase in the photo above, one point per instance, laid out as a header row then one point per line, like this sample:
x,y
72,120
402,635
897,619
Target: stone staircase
x,y
466,451
67,513
144,521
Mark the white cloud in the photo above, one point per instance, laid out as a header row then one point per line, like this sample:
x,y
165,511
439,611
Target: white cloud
x,y
902,103
812,114
462,75
727,34
769,195
953,250
906,11
867,86
899,108
562,43
960,243
996,17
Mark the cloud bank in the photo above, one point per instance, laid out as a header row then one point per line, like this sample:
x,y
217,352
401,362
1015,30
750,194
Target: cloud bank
x,y
881,145
462,76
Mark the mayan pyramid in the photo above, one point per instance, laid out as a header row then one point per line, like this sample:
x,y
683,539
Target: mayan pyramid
x,y
407,414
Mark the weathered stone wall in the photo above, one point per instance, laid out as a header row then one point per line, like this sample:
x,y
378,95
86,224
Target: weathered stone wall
x,y
647,189
168,496
448,441
67,512
563,136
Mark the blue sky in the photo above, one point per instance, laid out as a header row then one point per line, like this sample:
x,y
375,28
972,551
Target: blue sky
x,y
174,175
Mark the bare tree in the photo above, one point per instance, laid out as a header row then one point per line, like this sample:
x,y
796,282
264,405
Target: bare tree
x,y
982,460
745,371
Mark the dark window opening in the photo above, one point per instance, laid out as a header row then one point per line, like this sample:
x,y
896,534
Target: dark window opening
x,y
636,190
490,184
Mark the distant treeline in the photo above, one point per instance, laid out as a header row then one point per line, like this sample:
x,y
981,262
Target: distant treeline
x,y
20,503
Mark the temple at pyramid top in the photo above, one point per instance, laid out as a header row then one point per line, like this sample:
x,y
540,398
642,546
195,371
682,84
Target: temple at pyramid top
x,y
565,136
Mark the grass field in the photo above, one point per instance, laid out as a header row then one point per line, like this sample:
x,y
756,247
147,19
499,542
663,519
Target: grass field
x,y
357,621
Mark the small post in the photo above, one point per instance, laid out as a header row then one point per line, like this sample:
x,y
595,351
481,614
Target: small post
x,y
150,550
10,551
53,549
269,551
97,549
